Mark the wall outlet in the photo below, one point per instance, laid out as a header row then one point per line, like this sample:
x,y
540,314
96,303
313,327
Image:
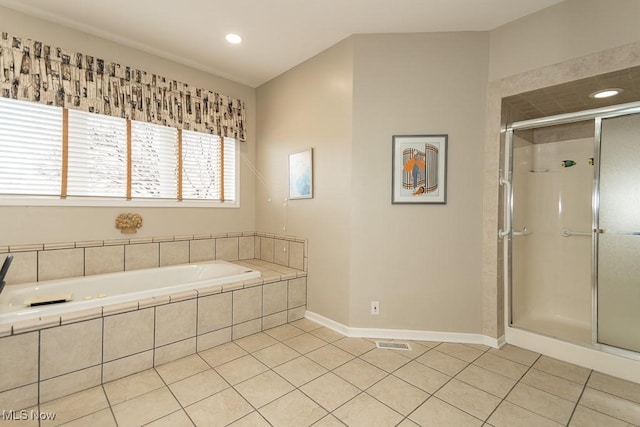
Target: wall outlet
x,y
375,308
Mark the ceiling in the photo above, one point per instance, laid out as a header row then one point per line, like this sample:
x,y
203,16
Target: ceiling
x,y
278,34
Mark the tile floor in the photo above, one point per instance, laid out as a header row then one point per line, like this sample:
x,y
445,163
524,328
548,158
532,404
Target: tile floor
x,y
302,374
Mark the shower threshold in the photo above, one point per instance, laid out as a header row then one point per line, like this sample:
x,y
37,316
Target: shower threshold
x,y
556,327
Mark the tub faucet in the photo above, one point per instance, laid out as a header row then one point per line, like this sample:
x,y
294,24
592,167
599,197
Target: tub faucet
x,y
3,271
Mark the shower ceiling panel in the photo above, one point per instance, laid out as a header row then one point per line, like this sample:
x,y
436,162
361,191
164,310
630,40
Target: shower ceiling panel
x,y
573,96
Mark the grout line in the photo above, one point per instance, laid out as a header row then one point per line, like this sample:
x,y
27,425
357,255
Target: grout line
x,y
84,261
169,414
153,348
113,414
39,375
197,318
511,389
233,293
584,387
102,352
166,385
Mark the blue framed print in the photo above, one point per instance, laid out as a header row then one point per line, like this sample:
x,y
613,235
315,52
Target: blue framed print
x,y
301,174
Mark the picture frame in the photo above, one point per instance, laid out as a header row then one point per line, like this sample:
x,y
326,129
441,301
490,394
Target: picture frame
x,y
419,169
301,174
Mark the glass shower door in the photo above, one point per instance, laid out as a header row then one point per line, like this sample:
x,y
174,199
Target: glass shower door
x,y
618,287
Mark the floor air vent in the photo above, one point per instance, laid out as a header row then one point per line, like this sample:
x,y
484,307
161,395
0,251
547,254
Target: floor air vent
x,y
393,345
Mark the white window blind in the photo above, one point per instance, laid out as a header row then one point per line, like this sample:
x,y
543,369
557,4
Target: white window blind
x,y
201,166
229,170
154,168
30,148
90,158
97,155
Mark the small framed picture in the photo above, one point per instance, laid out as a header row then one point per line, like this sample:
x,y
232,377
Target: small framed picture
x,y
419,170
301,174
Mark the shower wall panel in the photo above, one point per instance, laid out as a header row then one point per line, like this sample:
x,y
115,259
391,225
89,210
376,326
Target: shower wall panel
x,y
551,245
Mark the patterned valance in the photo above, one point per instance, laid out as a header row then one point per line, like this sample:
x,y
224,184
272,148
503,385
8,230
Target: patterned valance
x,y
33,71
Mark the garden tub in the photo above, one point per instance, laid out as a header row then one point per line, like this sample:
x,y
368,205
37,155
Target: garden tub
x,y
54,297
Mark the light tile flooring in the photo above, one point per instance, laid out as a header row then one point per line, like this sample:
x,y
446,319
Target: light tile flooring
x,y
303,374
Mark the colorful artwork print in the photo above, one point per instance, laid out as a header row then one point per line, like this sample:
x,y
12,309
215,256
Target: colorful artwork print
x,y
419,169
414,169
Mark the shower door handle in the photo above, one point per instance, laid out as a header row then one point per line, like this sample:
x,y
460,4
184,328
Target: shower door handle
x,y
507,212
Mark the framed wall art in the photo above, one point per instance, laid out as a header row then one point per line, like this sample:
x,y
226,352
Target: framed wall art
x,y
419,170
301,174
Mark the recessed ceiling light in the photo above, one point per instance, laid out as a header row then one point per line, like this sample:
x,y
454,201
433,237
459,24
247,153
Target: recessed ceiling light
x,y
233,38
606,93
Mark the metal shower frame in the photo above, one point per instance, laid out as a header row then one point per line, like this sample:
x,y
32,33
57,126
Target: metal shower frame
x,y
506,233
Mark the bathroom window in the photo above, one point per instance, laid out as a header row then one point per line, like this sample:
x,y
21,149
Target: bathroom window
x,y
208,167
30,148
102,160
97,155
154,161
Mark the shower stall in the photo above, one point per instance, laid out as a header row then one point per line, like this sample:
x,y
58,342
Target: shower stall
x,y
571,228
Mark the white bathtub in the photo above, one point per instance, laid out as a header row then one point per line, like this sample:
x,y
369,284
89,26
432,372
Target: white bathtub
x,y
112,288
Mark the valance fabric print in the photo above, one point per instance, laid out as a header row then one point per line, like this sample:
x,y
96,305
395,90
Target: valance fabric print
x,y
33,71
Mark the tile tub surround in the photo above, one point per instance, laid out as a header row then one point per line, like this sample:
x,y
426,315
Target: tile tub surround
x,y
46,261
48,358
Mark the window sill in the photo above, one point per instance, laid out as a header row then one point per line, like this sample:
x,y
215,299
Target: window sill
x,y
112,202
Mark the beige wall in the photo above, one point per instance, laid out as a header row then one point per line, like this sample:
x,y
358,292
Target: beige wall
x,y
311,106
570,29
409,257
361,247
59,224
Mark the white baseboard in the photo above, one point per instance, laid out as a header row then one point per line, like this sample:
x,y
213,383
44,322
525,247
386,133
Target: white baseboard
x,y
403,334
